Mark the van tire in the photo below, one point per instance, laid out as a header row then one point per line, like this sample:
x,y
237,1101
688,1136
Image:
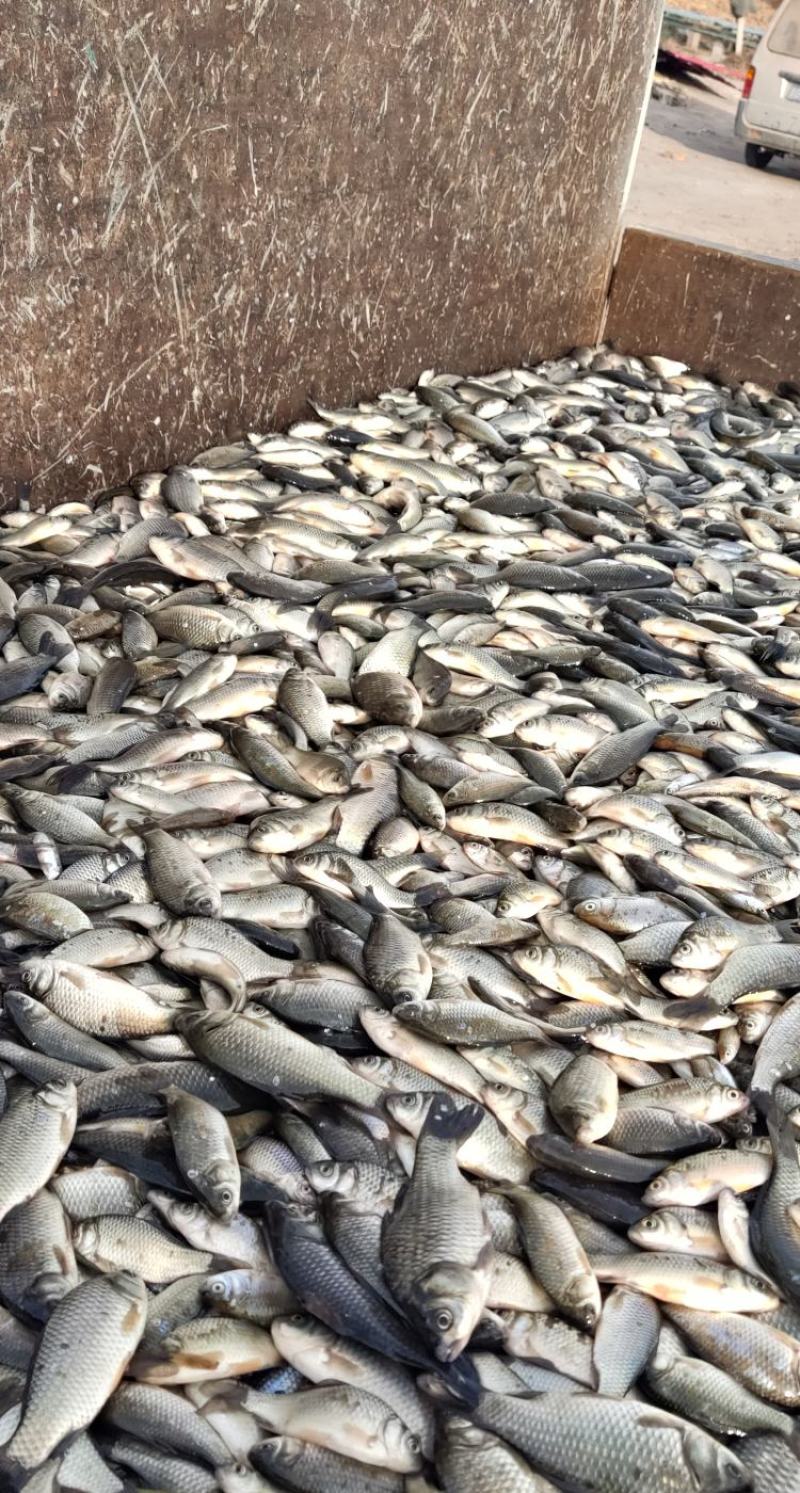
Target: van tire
x,y
758,156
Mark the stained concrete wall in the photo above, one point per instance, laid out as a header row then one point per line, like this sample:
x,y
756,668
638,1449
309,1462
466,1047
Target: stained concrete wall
x,y
735,316
210,209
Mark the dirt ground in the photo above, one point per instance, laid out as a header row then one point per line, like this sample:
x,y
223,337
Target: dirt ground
x,y
691,179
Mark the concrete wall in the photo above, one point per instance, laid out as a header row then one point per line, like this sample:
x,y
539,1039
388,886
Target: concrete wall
x,y
735,316
209,209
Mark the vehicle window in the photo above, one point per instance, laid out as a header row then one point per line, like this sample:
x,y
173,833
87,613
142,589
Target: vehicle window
x,y
785,36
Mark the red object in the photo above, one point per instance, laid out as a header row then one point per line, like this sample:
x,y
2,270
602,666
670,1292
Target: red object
x,y
674,62
749,79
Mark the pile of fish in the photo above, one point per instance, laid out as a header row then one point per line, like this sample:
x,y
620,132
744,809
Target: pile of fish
x,y
399,879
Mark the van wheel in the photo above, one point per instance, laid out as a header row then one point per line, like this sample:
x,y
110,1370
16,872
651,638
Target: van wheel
x,y
758,156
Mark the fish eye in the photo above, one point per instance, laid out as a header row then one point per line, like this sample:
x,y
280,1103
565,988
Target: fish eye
x,y
657,1185
413,1443
216,1288
226,1196
684,948
297,1317
732,1093
650,1223
325,1168
444,1319
590,906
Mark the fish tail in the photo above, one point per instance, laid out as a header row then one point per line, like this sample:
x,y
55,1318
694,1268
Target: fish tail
x,y
448,1121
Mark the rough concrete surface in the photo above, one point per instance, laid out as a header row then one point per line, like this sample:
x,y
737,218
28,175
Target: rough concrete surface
x,y
208,211
691,179
734,316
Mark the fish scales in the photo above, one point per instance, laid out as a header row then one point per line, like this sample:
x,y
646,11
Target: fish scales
x,y
399,879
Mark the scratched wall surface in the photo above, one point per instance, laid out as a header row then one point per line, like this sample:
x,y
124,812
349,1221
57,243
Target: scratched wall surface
x,y
210,209
734,316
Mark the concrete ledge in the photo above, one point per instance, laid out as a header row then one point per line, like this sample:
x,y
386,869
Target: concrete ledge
x,y
734,316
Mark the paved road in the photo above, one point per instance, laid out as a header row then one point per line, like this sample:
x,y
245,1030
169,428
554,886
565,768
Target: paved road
x,y
691,179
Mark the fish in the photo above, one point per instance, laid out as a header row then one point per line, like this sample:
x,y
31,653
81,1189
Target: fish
x,y
82,1353
205,1151
557,1257
436,1245
625,1340
158,1417
609,1442
399,869
471,1460
344,1419
35,1133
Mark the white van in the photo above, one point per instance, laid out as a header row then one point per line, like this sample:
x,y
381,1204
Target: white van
x,y
768,117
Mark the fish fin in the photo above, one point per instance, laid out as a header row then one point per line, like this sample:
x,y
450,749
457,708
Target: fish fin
x,y
460,1379
448,1121
266,938
68,777
13,1477
696,1005
428,894
782,1133
197,1360
369,902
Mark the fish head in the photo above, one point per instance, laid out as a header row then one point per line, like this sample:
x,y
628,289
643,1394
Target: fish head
x,y
239,1477
170,934
52,1287
332,775
660,1230
195,1023
402,1445
221,1290
372,1065
714,1467
503,1100
582,1297
302,1339
661,1188
180,1211
279,1454
204,901
697,951
754,1022
18,1001
85,1238
332,1176
457,1431
448,1300
409,1110
38,975
132,1288
735,1278
219,1186
281,1210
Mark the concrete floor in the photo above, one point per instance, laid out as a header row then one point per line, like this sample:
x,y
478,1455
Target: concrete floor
x,y
691,179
